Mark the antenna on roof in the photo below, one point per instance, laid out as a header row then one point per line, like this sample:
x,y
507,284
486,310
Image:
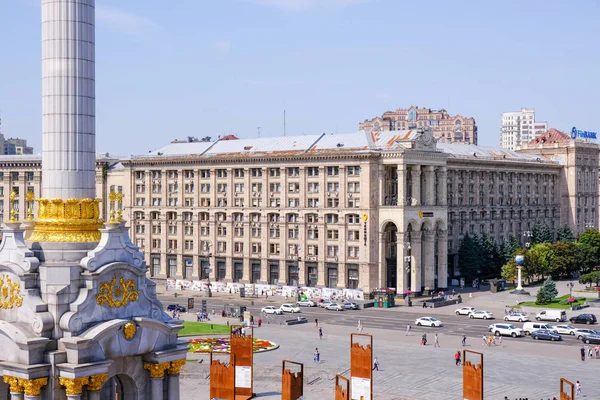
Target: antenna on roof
x,y
284,131
258,129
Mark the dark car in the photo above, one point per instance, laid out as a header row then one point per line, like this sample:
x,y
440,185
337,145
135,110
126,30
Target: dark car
x,y
583,319
350,306
591,339
545,334
173,307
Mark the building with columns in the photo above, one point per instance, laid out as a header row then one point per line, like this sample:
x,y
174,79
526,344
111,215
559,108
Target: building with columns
x,y
363,210
445,127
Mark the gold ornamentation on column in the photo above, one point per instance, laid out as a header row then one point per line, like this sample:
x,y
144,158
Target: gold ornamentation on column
x,y
129,330
73,220
157,371
13,382
30,197
110,292
13,212
176,365
10,293
33,387
119,207
112,197
74,386
96,381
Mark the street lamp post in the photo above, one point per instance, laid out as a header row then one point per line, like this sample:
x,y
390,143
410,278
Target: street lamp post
x,y
520,259
570,286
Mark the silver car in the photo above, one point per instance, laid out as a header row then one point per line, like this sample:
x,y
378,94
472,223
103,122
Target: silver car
x,y
334,307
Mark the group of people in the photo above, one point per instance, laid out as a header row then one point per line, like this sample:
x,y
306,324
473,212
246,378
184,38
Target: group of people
x,y
590,351
490,340
202,316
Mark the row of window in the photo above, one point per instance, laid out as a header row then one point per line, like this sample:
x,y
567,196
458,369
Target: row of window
x,y
292,172
253,217
293,187
274,202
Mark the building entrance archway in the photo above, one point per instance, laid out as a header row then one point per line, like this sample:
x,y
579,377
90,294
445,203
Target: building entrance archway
x,y
124,387
390,232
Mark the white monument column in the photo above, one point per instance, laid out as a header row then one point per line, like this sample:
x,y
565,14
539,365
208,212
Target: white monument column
x,y
68,99
415,173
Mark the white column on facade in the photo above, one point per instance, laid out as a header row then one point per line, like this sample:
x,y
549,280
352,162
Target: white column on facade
x,y
401,185
442,195
415,174
156,388
382,275
430,185
16,396
415,263
173,387
442,262
94,394
68,99
381,180
428,260
400,263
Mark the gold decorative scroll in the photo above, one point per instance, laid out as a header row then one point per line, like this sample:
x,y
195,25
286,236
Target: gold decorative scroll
x,y
129,330
157,371
96,381
13,212
10,293
116,203
117,294
74,386
33,387
13,382
176,365
73,220
30,197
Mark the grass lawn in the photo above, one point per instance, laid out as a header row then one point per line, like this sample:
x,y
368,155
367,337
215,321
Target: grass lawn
x,y
553,303
202,328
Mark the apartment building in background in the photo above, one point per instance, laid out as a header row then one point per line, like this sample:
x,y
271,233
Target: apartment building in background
x,y
446,128
519,128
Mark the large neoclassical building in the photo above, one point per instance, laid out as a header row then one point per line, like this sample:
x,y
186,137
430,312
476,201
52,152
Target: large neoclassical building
x,y
362,210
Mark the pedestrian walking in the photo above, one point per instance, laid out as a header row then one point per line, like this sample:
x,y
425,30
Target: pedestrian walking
x,y
464,340
597,349
408,328
578,387
436,341
316,322
320,333
424,340
590,352
316,356
582,352
500,340
259,322
484,340
457,357
375,364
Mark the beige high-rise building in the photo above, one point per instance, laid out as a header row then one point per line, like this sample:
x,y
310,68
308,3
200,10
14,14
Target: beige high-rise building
x,y
446,128
519,128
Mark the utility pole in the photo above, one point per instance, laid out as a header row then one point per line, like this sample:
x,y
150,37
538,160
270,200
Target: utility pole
x,y
258,129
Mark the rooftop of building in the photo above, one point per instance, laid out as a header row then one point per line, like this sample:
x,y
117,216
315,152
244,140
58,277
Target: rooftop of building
x,y
551,136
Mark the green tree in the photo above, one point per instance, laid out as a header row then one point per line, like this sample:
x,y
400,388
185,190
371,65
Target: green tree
x,y
509,270
592,277
592,238
538,260
586,257
547,292
491,260
469,256
541,233
565,234
565,259
510,247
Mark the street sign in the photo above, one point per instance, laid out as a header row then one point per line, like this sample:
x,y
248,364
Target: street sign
x,y
190,303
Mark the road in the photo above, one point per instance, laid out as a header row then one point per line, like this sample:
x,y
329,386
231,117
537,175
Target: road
x,y
370,318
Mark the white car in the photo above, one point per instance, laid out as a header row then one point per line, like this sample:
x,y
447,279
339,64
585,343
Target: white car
x,y
428,321
565,329
334,307
481,315
519,317
305,303
289,308
505,330
271,310
465,311
324,304
581,333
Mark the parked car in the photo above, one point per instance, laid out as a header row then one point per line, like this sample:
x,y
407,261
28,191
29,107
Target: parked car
x,y
428,321
481,315
505,330
173,307
287,307
306,303
271,310
581,333
324,304
530,327
350,306
519,317
591,339
565,329
334,307
552,315
583,319
465,311
545,334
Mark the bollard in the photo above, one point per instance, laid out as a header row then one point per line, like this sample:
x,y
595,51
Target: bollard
x,y
227,323
211,326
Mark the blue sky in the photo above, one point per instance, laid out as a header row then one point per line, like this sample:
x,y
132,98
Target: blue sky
x,y
170,69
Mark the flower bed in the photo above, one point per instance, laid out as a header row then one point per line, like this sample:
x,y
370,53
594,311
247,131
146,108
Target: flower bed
x,y
221,345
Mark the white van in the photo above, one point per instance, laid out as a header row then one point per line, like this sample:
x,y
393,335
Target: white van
x,y
529,327
552,315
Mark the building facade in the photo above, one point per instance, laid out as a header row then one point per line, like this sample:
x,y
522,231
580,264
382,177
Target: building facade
x,y
445,128
519,128
362,210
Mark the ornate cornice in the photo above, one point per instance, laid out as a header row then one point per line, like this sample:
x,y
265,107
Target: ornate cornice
x,y
74,386
157,370
176,365
96,381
